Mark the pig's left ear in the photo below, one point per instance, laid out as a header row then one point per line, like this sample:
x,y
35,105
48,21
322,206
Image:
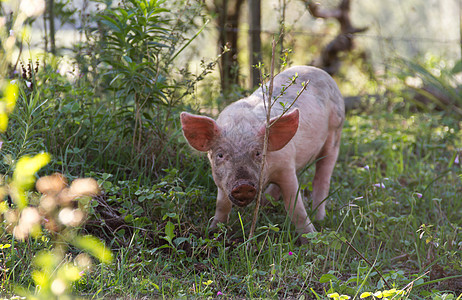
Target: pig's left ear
x,y
282,130
201,132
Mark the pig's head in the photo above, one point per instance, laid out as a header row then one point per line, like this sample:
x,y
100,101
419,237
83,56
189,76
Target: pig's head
x,y
235,148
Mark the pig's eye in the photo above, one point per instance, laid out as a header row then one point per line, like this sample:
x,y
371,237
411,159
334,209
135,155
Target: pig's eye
x,y
257,154
220,155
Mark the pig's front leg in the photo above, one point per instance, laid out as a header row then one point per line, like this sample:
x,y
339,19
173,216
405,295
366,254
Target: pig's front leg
x,y
293,202
222,210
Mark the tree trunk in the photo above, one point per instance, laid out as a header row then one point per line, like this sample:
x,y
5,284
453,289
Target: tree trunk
x,y
460,28
330,59
45,27
254,40
51,22
228,13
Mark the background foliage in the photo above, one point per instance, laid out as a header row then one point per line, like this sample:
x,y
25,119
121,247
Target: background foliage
x,y
108,108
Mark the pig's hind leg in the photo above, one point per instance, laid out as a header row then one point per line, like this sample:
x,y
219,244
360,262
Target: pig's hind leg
x,y
324,168
274,191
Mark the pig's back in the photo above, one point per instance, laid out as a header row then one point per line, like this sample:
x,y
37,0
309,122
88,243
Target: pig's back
x,y
320,104
321,93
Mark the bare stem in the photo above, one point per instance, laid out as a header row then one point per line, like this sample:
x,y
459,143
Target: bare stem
x,y
265,143
293,102
267,101
365,259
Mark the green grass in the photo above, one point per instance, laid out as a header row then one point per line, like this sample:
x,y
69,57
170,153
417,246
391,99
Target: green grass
x,y
395,198
393,225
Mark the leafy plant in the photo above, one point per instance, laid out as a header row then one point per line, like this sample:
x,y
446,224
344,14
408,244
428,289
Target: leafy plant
x,y
141,41
436,84
21,219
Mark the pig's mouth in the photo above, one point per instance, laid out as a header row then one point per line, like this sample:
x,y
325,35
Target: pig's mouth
x,y
242,193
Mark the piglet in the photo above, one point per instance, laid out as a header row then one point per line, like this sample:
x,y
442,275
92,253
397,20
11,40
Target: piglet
x,y
310,131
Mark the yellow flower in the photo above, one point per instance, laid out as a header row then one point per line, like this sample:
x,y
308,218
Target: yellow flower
x,y
207,283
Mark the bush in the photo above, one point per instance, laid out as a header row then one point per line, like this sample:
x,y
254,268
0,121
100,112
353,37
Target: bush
x,y
436,85
116,109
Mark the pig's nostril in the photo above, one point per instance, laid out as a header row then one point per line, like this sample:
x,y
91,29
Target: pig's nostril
x,y
244,192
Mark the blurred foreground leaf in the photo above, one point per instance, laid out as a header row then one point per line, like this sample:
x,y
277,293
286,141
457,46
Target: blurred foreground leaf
x,y
95,247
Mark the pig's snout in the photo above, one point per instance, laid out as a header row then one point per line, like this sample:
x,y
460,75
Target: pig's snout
x,y
243,193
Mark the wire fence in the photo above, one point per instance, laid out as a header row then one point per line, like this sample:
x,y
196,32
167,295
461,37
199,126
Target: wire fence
x,y
359,35
382,47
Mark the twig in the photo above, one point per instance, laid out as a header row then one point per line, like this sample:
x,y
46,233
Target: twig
x,y
268,107
265,141
305,84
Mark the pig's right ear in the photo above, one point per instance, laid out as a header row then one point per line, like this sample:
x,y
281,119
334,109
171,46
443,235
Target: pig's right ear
x,y
282,130
200,131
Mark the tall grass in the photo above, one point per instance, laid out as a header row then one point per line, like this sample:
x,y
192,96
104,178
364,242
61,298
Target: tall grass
x,y
385,229
393,216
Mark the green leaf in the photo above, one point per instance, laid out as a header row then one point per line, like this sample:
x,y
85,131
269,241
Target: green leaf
x,y
127,59
3,121
457,67
10,96
169,215
327,278
26,167
46,260
128,218
93,246
310,235
40,278
169,227
180,240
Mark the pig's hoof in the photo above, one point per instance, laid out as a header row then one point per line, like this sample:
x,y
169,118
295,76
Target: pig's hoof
x,y
216,226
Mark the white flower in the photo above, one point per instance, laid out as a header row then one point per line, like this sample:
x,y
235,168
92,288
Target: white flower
x,y
380,185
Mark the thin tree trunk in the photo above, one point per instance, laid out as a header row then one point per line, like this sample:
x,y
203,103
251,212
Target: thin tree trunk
x,y
228,13
254,40
460,27
51,20
45,27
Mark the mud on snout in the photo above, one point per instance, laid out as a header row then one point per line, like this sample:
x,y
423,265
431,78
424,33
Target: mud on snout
x,y
243,192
